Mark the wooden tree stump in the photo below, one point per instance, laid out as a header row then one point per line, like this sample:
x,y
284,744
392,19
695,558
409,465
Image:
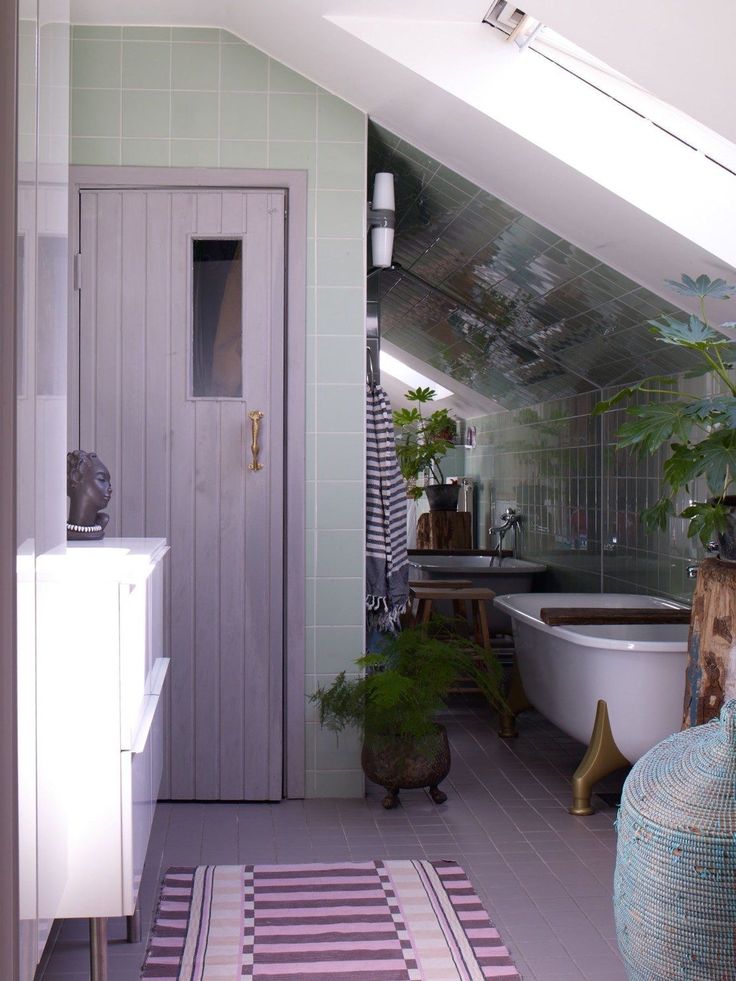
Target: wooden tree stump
x,y
444,530
711,670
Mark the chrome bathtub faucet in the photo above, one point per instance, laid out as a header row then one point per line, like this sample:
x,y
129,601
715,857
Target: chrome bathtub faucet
x,y
510,519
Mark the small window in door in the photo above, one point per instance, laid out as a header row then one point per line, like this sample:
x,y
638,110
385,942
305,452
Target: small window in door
x,y
217,305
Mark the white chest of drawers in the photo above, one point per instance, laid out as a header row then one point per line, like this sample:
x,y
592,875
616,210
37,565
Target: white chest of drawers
x,y
99,680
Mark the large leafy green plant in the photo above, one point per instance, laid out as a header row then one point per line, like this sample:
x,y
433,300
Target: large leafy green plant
x,y
422,441
403,685
700,430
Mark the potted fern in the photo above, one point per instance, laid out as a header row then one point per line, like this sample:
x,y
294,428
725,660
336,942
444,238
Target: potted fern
x,y
421,442
700,429
395,700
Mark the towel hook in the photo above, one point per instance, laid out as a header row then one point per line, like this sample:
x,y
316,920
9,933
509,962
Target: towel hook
x,y
371,371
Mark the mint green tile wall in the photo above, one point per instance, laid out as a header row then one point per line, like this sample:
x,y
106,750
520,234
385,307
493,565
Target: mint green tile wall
x,y
581,497
154,96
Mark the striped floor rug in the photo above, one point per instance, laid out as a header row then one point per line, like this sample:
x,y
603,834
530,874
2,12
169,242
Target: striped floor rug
x,y
364,921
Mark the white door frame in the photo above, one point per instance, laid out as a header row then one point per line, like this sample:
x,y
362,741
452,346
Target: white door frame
x,y
294,182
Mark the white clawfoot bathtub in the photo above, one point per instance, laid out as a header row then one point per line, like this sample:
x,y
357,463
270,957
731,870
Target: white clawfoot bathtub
x,y
638,670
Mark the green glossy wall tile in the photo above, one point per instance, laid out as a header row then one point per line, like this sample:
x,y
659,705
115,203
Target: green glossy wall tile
x,y
338,120
195,67
146,65
339,359
341,165
95,150
339,783
190,35
96,64
146,114
292,116
334,643
293,156
341,409
340,214
243,153
146,33
339,261
340,552
95,31
244,68
195,153
96,112
340,504
340,456
194,115
523,315
145,153
243,116
339,310
283,79
339,602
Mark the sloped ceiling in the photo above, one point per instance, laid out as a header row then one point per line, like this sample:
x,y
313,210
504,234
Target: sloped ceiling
x,y
407,65
489,297
568,226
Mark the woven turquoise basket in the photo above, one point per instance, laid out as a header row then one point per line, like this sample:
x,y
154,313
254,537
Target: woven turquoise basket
x,y
675,880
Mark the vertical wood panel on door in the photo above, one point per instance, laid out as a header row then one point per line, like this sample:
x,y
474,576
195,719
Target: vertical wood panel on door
x,y
180,464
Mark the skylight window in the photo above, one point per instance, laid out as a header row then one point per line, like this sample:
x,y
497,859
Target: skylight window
x,y
527,32
414,379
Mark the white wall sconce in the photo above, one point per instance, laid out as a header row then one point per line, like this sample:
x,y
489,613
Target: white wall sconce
x,y
382,220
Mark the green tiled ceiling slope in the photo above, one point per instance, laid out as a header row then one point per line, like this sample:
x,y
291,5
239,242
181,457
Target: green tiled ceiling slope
x,y
501,303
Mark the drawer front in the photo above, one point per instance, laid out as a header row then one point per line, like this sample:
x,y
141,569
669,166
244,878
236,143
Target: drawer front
x,y
142,768
142,808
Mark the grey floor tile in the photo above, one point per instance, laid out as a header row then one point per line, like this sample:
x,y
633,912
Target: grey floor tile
x,y
544,875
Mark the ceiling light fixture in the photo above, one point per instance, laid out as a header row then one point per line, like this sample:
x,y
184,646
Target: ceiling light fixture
x,y
409,376
382,219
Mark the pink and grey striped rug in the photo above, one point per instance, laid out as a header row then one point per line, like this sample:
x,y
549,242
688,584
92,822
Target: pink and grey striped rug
x,y
364,921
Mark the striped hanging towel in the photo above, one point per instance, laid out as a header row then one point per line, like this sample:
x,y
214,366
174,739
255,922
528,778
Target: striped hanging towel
x,y
387,567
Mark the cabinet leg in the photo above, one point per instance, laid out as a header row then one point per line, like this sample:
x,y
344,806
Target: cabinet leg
x,y
133,927
98,949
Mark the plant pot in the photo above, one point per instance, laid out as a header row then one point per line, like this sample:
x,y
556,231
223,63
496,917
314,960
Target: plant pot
x,y
443,497
403,767
727,539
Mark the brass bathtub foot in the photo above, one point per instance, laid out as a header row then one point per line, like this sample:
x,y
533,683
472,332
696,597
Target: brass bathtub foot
x,y
601,758
516,702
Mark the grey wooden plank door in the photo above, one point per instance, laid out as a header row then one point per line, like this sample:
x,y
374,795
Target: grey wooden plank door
x,y
181,338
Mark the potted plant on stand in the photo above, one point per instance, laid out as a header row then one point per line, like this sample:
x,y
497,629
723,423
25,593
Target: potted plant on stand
x,y
395,700
700,430
421,442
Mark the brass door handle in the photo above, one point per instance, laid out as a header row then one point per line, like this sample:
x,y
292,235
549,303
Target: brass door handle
x,y
255,422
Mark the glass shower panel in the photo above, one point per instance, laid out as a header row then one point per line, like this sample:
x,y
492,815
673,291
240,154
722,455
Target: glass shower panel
x,y
217,318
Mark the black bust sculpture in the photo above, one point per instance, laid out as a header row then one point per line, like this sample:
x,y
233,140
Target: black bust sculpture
x,y
89,489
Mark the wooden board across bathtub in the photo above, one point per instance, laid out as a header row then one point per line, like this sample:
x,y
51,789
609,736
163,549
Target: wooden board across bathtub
x,y
558,616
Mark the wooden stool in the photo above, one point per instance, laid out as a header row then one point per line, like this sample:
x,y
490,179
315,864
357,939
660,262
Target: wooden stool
x,y
409,619
477,598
